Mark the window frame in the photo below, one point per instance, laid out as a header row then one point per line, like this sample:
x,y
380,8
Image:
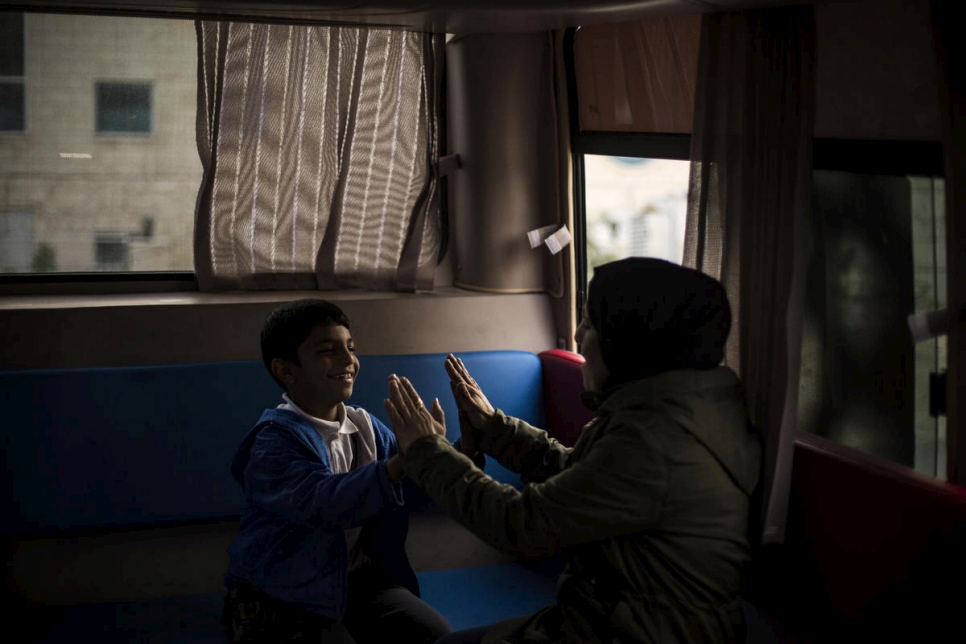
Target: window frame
x,y
654,145
96,282
20,80
878,157
135,282
675,147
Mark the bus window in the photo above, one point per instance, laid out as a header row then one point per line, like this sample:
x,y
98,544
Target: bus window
x,y
878,255
97,136
634,207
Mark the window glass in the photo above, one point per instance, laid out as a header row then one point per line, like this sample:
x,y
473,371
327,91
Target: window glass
x,y
635,207
108,168
16,241
878,256
123,107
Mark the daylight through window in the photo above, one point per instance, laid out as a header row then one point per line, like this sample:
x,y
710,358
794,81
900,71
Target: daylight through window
x,y
106,177
635,207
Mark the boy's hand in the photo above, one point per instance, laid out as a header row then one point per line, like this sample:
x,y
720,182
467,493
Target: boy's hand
x,y
410,418
474,409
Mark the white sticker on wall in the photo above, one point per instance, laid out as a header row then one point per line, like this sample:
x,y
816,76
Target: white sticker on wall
x,y
558,240
538,235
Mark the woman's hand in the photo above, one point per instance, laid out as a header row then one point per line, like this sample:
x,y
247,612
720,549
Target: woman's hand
x,y
474,409
409,417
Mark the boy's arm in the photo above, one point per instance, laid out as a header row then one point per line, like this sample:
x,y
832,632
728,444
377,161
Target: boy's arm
x,y
284,479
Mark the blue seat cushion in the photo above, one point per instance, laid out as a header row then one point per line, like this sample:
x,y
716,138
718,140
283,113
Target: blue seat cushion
x,y
93,448
472,597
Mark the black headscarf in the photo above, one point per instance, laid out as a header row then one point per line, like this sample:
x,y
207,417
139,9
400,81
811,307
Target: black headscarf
x,y
653,316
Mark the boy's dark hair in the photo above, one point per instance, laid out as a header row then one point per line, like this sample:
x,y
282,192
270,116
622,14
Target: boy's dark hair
x,y
289,325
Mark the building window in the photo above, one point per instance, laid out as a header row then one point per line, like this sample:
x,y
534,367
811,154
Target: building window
x,y
123,108
112,252
11,72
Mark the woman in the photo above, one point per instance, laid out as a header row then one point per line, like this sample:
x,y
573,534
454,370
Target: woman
x,y
650,508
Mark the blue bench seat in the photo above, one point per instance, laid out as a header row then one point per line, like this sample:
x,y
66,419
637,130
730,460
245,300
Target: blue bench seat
x,y
125,447
102,449
112,449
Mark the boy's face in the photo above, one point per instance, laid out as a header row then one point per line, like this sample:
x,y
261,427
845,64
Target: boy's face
x,y
326,371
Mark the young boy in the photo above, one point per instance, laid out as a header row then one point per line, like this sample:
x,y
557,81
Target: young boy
x,y
320,555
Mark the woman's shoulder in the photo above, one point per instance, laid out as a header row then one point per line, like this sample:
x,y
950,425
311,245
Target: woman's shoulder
x,y
636,429
651,428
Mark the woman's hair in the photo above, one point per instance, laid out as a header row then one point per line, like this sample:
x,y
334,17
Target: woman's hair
x,y
287,327
653,316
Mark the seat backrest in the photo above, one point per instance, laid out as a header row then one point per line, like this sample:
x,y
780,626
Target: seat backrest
x,y
562,385
94,448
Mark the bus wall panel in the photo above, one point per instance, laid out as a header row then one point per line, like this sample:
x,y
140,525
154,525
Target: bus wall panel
x,y
177,329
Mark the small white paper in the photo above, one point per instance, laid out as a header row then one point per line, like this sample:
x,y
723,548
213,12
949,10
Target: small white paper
x,y
538,235
558,240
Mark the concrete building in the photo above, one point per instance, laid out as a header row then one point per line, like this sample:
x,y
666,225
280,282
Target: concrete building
x,y
99,168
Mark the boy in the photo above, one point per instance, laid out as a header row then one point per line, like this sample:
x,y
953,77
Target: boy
x,y
320,554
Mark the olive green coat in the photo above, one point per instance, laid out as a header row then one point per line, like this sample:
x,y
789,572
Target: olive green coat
x,y
649,509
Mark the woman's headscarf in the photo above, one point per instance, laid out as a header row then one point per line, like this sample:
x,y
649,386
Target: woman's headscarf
x,y
653,316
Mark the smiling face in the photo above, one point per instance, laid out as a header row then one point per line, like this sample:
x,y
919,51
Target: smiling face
x,y
594,371
326,370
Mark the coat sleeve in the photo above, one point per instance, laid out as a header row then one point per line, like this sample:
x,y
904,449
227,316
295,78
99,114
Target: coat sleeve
x,y
617,487
412,497
521,448
283,478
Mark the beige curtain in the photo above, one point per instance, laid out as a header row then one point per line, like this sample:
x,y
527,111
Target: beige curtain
x,y
319,147
748,210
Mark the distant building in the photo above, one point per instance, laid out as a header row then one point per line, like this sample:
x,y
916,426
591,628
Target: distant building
x,y
658,231
635,207
99,169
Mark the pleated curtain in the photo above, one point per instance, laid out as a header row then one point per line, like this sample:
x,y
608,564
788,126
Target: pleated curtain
x,y
749,205
319,147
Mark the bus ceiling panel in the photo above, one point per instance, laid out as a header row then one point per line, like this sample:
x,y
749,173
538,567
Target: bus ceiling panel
x,y
442,16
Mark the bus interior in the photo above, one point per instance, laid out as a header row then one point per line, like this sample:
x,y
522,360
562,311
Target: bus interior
x,y
449,172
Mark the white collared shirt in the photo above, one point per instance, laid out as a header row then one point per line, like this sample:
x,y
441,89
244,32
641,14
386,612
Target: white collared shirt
x,y
337,435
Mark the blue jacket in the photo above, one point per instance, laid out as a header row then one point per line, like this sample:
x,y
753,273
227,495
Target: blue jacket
x,y
291,543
